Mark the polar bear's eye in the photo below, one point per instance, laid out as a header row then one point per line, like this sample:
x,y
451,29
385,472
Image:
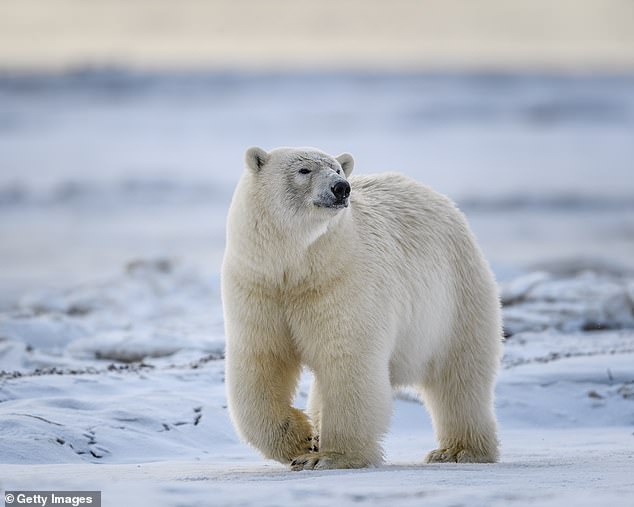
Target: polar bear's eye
x,y
304,171
338,171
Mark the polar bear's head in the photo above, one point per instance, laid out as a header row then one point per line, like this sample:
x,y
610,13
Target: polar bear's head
x,y
301,183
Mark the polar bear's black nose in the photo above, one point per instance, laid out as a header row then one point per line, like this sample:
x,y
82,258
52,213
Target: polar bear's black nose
x,y
341,189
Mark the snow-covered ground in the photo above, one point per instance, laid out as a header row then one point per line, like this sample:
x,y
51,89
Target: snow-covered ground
x,y
119,387
113,192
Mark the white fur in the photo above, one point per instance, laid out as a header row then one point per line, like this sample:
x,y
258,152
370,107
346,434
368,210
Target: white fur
x,y
390,291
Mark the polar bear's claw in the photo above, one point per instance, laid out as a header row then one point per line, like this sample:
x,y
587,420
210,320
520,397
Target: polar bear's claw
x,y
457,455
326,461
305,462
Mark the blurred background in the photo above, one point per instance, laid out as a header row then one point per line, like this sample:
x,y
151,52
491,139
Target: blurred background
x,y
123,123
123,127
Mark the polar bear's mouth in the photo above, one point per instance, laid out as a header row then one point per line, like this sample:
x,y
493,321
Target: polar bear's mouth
x,y
332,205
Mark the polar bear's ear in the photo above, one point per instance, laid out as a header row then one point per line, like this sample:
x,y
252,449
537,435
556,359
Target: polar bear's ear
x,y
347,163
256,158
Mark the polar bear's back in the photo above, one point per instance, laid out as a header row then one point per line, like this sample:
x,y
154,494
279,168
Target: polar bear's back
x,y
415,218
434,277
416,231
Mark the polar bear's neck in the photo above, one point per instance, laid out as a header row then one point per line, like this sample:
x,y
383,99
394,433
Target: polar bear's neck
x,y
311,234
302,238
281,256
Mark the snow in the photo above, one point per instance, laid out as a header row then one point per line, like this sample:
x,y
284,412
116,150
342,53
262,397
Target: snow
x,y
134,383
587,301
111,331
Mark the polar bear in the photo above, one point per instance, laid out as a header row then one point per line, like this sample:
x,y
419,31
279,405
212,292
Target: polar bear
x,y
372,282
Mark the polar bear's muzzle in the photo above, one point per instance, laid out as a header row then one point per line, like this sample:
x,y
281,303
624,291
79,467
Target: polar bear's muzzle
x,y
338,197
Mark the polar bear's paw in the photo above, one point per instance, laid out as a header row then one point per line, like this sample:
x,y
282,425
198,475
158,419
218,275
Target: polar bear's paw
x,y
327,461
459,455
294,437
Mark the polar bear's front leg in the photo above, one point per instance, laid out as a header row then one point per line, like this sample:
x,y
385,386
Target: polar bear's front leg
x,y
260,389
355,411
262,369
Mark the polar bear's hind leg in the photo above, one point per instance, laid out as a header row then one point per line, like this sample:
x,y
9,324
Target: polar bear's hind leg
x,y
459,398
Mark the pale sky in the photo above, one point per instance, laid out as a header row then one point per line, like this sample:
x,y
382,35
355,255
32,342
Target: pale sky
x,y
322,34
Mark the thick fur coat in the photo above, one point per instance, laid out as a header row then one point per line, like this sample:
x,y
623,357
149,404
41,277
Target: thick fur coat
x,y
381,288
